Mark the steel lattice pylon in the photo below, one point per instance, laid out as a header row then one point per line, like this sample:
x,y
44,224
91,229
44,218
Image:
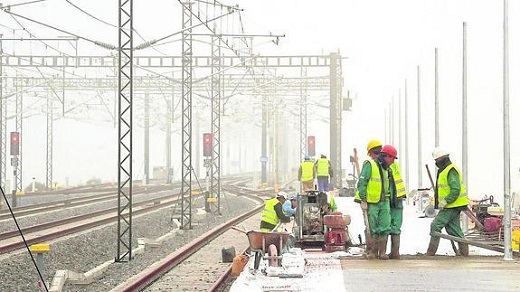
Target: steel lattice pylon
x,y
18,158
187,70
125,89
215,120
303,116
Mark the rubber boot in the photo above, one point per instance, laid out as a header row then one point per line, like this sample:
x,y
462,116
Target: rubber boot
x,y
396,241
372,252
433,246
464,249
382,242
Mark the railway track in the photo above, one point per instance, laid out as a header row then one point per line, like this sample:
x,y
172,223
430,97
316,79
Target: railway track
x,y
198,265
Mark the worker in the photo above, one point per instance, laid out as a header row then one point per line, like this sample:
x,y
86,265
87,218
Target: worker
x,y
450,199
306,174
396,202
323,170
374,189
289,207
273,213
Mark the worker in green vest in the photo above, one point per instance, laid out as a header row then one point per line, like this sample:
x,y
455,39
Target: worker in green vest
x,y
396,202
450,199
374,188
273,213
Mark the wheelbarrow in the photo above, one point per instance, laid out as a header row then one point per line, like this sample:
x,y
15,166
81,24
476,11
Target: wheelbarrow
x,y
261,242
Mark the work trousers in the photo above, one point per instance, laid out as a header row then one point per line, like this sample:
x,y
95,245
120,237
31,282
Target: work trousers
x,y
323,183
396,218
449,219
379,217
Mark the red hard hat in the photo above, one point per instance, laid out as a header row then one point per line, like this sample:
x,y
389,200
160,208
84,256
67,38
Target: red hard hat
x,y
389,150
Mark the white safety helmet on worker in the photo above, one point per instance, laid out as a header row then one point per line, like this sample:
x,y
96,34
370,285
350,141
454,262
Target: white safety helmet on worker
x,y
439,152
281,194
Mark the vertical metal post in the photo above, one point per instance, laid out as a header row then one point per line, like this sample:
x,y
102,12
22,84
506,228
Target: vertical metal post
x,y
508,252
419,134
464,218
406,144
50,134
146,141
125,132
19,124
215,118
265,112
168,147
3,117
303,115
436,97
187,70
335,118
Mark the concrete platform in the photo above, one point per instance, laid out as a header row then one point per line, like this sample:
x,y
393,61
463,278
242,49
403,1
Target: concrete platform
x,y
438,273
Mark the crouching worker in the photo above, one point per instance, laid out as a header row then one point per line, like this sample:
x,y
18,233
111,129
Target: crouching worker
x,y
273,213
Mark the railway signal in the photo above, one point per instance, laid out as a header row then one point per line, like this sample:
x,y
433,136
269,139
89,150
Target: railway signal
x,y
207,141
311,145
15,143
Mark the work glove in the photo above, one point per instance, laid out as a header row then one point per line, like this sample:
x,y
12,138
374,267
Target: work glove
x,y
442,204
364,205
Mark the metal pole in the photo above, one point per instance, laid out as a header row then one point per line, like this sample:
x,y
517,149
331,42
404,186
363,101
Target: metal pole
x,y
508,252
436,97
419,136
406,156
464,218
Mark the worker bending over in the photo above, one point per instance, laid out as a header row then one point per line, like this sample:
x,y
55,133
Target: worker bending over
x,y
273,213
450,199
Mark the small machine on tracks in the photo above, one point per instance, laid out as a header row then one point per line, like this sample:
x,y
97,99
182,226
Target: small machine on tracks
x,y
317,226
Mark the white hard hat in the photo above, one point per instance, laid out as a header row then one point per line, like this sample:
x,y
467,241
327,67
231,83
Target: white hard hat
x,y
281,194
439,152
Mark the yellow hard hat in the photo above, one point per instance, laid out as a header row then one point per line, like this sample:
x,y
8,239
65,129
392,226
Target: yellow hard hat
x,y
373,144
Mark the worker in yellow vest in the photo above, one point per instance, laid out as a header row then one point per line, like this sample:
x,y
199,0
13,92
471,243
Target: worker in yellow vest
x,y
396,203
450,199
273,213
323,172
306,174
375,187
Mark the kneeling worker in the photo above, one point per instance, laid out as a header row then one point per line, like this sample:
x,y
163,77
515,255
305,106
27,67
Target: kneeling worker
x,y
273,213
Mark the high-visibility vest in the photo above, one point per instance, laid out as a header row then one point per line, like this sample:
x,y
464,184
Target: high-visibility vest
x,y
307,170
398,179
443,189
375,185
322,167
269,214
332,203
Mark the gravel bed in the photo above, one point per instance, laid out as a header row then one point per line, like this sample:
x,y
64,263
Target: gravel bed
x,y
86,251
27,221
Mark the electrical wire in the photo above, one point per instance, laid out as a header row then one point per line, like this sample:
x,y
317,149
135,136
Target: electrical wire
x,y
99,43
23,238
111,25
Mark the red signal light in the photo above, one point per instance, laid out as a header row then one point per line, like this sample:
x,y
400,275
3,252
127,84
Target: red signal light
x,y
15,143
207,141
311,145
